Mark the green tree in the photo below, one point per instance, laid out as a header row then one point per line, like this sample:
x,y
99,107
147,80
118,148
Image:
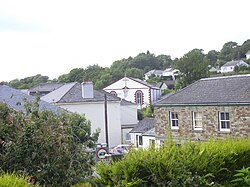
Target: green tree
x,y
51,147
212,57
229,51
193,66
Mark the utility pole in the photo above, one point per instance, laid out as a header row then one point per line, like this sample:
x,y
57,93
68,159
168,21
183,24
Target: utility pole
x,y
106,119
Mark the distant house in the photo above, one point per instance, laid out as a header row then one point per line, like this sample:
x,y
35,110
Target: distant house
x,y
83,99
170,72
157,73
134,90
142,136
211,107
229,66
248,55
44,89
15,99
213,69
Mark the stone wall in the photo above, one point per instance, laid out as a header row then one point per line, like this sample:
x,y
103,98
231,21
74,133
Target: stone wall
x,y
239,122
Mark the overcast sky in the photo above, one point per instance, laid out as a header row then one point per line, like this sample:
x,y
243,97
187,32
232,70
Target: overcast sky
x,y
51,37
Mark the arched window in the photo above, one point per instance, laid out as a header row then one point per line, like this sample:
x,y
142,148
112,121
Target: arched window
x,y
113,93
139,97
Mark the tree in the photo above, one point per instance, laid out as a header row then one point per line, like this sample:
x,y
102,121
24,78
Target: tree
x,y
51,147
229,51
192,66
212,57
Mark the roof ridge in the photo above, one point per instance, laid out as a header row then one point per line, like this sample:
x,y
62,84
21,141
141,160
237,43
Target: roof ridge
x,y
225,77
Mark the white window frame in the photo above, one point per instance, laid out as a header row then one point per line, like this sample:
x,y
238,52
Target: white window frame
x,y
174,119
224,120
195,118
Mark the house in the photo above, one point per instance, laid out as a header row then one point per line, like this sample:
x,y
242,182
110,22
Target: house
x,y
142,136
229,66
83,99
166,85
213,69
248,55
128,119
135,91
16,99
157,73
210,107
170,72
44,89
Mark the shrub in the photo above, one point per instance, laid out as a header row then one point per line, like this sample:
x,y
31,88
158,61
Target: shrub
x,y
46,145
13,180
210,163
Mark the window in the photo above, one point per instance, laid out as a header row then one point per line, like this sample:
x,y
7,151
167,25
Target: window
x,y
139,97
224,121
152,143
140,140
197,120
113,93
128,137
174,120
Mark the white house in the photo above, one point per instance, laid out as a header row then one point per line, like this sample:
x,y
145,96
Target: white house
x,y
83,99
157,73
229,66
142,136
248,55
128,119
134,90
170,72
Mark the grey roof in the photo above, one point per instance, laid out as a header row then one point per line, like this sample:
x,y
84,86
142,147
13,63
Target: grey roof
x,y
233,63
125,102
144,125
156,72
212,91
150,132
72,93
46,87
15,99
248,52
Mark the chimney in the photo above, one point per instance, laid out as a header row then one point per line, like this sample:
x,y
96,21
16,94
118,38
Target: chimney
x,y
87,90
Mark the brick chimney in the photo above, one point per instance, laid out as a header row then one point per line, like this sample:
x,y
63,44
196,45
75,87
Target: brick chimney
x,y
87,90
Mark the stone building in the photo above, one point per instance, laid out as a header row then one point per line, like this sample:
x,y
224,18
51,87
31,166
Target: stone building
x,y
211,107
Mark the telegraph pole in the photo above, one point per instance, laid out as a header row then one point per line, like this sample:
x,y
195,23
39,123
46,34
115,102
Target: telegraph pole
x,y
106,119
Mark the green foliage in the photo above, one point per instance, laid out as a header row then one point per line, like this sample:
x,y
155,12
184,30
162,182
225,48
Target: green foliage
x,y
148,111
192,66
49,146
210,163
28,82
13,180
242,177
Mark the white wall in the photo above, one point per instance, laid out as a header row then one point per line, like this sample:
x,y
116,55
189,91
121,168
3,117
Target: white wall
x,y
146,141
124,134
129,114
227,69
94,111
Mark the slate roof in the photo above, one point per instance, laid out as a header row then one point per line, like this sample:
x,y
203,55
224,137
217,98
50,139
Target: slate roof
x,y
72,93
232,63
125,102
46,87
143,126
156,72
248,52
212,91
150,132
15,99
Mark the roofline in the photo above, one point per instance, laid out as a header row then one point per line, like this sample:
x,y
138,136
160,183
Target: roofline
x,y
92,101
202,104
67,91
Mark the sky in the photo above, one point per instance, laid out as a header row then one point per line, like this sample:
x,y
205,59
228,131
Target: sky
x,y
51,37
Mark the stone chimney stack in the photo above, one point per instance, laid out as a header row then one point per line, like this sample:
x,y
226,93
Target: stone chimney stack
x,y
87,90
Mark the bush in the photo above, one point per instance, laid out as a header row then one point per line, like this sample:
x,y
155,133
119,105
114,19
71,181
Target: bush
x,y
13,180
191,164
46,145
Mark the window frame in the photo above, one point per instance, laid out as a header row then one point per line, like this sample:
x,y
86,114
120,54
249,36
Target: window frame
x,y
195,119
174,119
139,100
227,122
